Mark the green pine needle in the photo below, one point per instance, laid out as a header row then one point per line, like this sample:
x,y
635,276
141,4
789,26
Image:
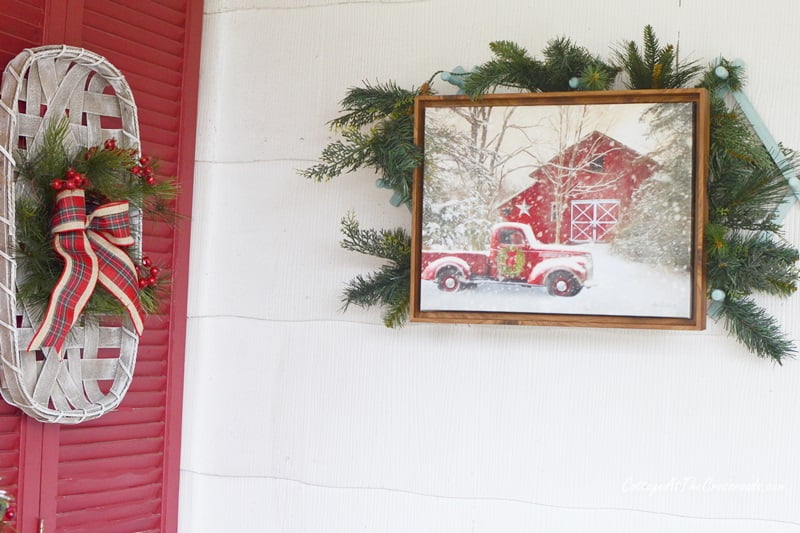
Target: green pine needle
x,y
387,146
756,329
388,287
340,157
365,105
512,66
750,262
656,67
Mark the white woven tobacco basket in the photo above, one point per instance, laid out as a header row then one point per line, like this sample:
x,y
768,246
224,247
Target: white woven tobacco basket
x,y
39,86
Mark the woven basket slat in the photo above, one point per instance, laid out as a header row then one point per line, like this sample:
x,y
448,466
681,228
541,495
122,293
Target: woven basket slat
x,y
49,82
46,381
68,388
41,85
58,396
95,369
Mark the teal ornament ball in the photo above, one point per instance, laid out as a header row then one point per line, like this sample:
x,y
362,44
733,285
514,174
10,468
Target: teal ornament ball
x,y
396,199
718,295
721,72
573,82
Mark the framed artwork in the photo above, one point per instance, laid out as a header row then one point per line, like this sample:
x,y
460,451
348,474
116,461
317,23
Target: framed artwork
x,y
579,209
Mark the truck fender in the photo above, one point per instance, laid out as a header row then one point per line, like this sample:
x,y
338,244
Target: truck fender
x,y
434,266
574,264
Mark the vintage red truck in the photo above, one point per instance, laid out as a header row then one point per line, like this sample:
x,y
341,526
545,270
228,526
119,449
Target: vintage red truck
x,y
514,256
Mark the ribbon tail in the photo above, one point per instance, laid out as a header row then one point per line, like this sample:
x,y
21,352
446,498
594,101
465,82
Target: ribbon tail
x,y
72,291
117,273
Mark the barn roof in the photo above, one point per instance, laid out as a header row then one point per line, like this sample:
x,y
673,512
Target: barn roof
x,y
521,182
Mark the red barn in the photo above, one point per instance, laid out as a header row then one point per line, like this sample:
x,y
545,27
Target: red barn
x,y
582,193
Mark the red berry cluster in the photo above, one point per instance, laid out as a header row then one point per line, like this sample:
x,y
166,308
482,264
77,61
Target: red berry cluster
x,y
71,180
10,514
150,276
144,170
110,144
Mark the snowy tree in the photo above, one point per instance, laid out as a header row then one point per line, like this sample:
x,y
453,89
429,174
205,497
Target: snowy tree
x,y
659,223
466,164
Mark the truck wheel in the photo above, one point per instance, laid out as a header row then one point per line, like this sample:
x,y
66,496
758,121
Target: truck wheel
x,y
449,279
563,283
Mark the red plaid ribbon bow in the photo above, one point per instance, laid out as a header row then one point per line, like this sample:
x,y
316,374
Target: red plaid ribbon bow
x,y
91,247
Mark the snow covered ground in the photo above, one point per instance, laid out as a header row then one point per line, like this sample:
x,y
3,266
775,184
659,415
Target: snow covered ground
x,y
621,287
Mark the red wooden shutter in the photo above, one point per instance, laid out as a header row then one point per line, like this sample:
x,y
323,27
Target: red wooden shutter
x,y
120,473
21,27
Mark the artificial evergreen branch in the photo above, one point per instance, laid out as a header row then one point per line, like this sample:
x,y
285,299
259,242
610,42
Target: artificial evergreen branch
x,y
387,146
365,105
755,329
388,287
749,262
340,157
111,174
733,139
654,67
512,66
743,253
733,78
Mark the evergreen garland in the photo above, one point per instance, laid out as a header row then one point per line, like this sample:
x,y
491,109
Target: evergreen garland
x,y
388,287
513,67
110,177
745,252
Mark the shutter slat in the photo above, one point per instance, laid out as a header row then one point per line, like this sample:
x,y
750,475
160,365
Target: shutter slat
x,y
30,12
141,524
130,447
117,481
108,498
106,465
159,11
131,431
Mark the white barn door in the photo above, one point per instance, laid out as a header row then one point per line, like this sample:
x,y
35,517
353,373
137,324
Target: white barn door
x,y
592,220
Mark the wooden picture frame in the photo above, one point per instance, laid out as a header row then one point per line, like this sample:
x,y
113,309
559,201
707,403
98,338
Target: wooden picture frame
x,y
567,209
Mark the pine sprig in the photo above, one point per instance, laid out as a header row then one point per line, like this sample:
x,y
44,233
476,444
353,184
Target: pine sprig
x,y
654,66
387,146
512,66
755,329
365,105
750,262
388,287
733,140
340,157
110,178
734,78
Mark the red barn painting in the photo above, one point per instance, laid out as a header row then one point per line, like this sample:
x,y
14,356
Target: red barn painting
x,y
582,193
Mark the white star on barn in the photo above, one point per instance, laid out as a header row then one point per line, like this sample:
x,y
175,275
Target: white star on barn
x,y
524,208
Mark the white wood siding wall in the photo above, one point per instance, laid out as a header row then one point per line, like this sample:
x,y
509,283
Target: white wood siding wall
x,y
299,418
